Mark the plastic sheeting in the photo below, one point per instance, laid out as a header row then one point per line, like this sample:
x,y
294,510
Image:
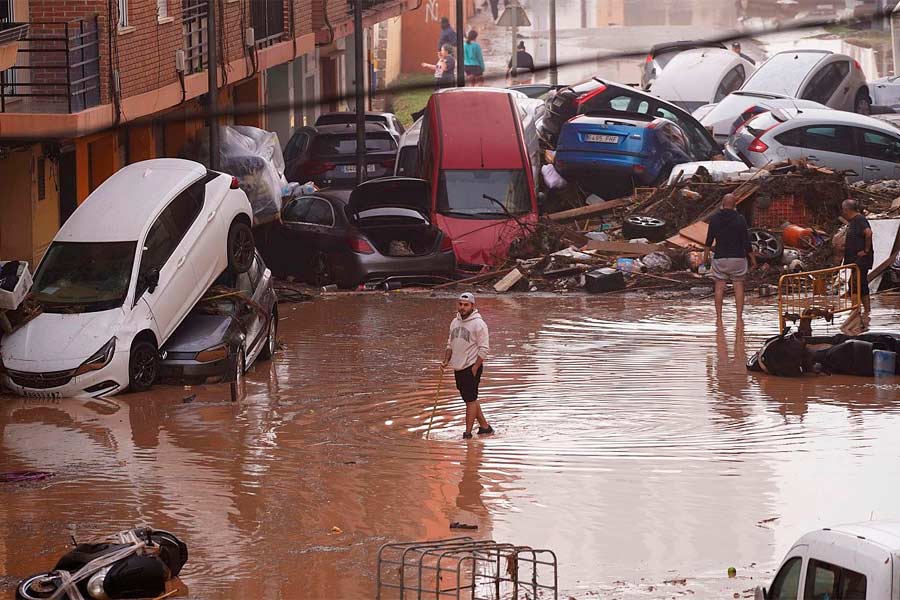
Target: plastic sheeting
x,y
254,156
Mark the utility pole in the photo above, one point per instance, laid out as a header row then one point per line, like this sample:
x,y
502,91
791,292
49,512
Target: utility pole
x,y
554,72
212,71
460,48
359,63
583,14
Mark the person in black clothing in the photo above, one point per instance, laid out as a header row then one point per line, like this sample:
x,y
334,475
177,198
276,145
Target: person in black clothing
x,y
858,248
522,74
736,48
448,35
729,236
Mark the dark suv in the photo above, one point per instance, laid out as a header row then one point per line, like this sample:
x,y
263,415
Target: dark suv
x,y
604,97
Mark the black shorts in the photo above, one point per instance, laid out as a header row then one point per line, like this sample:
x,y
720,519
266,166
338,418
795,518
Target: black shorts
x,y
467,383
474,70
864,266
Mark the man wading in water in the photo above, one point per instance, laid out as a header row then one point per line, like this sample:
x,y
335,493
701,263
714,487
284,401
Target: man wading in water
x,y
467,347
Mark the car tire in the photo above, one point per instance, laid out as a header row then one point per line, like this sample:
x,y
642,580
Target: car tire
x,y
641,226
322,269
862,105
268,349
143,365
240,247
24,591
767,246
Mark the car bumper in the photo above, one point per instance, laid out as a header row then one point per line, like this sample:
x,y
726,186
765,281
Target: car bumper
x,y
581,164
363,268
192,372
110,380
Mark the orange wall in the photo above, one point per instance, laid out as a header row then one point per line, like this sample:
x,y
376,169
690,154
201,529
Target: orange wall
x,y
421,30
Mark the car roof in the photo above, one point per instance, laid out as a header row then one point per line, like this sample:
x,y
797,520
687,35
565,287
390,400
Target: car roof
x,y
669,46
120,209
479,129
837,117
883,533
341,113
637,119
707,68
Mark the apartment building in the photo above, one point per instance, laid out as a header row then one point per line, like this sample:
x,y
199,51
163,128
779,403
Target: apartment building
x,y
98,84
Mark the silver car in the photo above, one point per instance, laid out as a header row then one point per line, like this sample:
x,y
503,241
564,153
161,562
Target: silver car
x,y
867,148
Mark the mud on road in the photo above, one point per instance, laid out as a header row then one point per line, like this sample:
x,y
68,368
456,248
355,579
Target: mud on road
x,y
631,440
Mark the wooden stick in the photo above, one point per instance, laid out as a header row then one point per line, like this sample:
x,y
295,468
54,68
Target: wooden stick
x,y
473,279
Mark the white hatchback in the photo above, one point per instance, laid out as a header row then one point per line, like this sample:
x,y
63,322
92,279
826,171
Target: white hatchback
x,y
122,274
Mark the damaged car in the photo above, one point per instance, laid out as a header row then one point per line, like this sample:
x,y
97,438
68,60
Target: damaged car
x,y
122,274
233,325
379,232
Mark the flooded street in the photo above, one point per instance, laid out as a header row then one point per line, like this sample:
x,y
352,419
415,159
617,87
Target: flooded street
x,y
631,441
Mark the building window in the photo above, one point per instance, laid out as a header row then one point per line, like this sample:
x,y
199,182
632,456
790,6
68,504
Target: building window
x,y
162,9
123,14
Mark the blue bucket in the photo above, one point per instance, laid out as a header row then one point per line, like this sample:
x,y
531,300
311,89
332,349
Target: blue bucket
x,y
884,363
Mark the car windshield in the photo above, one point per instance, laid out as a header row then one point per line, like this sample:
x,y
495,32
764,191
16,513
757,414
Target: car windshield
x,y
343,118
487,194
345,143
408,161
77,277
783,73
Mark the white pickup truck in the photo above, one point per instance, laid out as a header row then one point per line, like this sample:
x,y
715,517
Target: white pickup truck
x,y
848,562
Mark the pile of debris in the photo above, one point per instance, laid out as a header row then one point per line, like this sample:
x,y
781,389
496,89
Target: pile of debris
x,y
654,240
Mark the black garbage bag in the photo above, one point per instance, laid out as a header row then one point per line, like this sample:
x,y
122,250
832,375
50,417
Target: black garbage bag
x,y
789,354
782,355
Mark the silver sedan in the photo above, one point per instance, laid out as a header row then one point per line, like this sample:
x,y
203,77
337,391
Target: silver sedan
x,y
866,148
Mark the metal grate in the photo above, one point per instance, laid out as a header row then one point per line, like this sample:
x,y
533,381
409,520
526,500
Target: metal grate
x,y
823,294
194,27
465,569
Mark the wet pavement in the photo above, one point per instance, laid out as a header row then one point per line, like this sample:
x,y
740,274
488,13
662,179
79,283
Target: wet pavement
x,y
631,440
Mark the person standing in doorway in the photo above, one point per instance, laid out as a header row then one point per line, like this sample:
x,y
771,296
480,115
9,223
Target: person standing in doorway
x,y
858,248
448,35
474,60
523,73
729,238
467,349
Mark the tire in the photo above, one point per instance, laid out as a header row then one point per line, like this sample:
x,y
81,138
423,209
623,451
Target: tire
x,y
24,591
268,349
639,226
321,270
766,245
143,366
240,247
862,105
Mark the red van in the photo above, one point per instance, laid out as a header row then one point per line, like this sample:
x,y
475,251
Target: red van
x,y
472,150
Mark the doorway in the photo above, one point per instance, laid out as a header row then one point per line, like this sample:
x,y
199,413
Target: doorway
x,y
68,190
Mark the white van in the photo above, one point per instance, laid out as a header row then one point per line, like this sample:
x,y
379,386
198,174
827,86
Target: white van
x,y
848,562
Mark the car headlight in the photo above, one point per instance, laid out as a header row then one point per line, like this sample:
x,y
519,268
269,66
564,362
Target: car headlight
x,y
99,359
213,354
95,584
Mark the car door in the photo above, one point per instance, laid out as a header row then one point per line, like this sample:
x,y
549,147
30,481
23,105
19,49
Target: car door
x,y
309,230
830,86
786,584
880,154
164,258
831,146
702,148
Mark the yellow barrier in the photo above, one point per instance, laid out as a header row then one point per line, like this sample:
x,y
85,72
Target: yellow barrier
x,y
823,294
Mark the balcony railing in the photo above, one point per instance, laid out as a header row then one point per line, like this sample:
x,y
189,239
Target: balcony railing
x,y
267,17
57,69
194,26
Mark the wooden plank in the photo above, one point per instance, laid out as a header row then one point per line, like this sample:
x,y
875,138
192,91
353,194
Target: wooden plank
x,y
511,279
591,209
683,242
621,247
696,232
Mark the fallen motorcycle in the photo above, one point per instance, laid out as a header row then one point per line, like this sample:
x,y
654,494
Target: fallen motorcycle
x,y
135,564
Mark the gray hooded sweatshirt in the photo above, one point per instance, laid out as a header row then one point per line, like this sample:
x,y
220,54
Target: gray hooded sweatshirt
x,y
468,341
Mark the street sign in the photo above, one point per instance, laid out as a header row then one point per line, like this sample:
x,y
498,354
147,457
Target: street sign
x,y
514,16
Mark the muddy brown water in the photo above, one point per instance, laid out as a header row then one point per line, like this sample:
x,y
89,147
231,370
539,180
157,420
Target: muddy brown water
x,y
631,440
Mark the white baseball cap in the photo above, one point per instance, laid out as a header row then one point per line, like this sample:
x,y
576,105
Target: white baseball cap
x,y
467,297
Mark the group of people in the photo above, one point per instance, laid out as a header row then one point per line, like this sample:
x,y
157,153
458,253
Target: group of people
x,y
473,60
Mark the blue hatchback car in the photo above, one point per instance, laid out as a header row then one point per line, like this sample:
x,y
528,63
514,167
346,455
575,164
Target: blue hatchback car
x,y
638,149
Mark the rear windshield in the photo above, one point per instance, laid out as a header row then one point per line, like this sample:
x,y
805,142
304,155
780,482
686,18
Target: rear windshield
x,y
488,194
762,123
408,161
345,143
340,119
783,73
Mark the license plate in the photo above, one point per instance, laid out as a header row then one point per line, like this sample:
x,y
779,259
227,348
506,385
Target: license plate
x,y
43,395
601,139
352,168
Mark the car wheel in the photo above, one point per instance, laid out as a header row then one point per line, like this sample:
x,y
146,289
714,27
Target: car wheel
x,y
640,226
268,350
240,248
767,246
38,587
143,366
862,105
322,271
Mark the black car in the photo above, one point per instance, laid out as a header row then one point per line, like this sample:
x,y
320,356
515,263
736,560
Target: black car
x,y
234,323
326,155
378,233
604,97
388,120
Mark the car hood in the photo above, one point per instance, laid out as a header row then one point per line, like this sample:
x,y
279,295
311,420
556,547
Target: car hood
x,y
199,332
57,342
391,192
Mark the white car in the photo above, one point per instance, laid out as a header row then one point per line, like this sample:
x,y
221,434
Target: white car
x,y
701,76
726,117
122,274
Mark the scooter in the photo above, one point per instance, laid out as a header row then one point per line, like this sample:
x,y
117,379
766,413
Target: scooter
x,y
136,564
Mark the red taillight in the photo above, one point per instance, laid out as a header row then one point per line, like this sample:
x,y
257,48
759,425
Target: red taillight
x,y
586,97
858,66
317,167
649,59
235,184
387,164
757,146
360,246
446,244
